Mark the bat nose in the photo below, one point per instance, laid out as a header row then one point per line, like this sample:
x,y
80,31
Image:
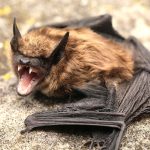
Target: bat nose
x,y
24,61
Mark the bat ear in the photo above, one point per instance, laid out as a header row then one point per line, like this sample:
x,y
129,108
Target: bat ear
x,y
16,31
16,36
58,52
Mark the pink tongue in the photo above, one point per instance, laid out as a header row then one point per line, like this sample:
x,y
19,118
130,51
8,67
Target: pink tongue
x,y
25,84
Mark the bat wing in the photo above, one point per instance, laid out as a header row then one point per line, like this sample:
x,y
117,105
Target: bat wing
x,y
100,24
95,110
111,123
136,93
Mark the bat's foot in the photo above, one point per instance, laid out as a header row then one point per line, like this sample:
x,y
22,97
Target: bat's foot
x,y
103,140
95,144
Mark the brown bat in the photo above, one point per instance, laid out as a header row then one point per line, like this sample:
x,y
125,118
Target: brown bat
x,y
90,59
55,61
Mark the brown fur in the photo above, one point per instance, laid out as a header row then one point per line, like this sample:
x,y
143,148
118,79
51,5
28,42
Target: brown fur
x,y
88,56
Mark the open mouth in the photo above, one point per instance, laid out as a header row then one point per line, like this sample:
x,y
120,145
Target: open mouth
x,y
29,77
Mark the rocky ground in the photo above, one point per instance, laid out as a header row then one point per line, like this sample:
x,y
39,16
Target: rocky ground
x,y
130,17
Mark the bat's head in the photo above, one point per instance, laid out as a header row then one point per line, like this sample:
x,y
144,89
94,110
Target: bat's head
x,y
30,66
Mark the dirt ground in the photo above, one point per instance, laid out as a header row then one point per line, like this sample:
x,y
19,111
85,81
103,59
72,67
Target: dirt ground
x,y
130,17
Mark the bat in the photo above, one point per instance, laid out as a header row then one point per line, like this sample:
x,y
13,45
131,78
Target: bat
x,y
111,73
55,61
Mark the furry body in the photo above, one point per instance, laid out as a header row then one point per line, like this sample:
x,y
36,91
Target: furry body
x,y
87,56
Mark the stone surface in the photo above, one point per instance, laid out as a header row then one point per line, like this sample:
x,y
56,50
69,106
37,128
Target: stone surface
x,y
130,17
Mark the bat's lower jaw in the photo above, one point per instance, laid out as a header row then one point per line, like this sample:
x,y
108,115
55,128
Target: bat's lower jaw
x,y
24,91
26,85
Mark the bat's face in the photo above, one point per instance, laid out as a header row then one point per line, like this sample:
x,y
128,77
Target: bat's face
x,y
31,71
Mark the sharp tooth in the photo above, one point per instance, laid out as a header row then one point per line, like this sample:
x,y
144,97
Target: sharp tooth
x,y
30,70
19,67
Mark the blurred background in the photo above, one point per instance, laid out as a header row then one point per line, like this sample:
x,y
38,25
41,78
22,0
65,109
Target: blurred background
x,y
130,17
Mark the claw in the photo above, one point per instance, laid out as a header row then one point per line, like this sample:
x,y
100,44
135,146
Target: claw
x,y
99,145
